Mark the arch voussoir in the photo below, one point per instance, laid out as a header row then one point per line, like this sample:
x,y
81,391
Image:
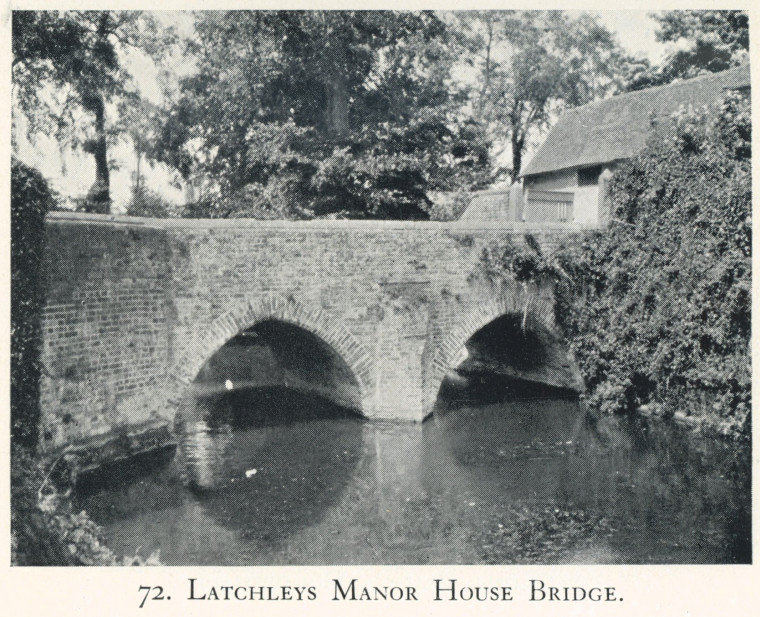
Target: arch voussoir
x,y
254,310
510,301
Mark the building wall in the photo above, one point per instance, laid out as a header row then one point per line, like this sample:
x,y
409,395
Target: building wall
x,y
562,180
490,206
586,203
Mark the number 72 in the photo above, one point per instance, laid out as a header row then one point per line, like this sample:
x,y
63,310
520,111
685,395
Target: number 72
x,y
159,595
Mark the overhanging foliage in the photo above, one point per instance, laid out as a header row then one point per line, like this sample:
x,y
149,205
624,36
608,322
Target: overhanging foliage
x,y
657,307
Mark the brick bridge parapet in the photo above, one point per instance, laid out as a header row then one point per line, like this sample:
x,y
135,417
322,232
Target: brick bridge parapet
x,y
135,307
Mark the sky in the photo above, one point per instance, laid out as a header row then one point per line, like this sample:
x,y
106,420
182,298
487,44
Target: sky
x,y
635,31
71,173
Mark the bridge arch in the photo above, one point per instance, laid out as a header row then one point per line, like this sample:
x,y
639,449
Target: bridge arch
x,y
537,311
257,309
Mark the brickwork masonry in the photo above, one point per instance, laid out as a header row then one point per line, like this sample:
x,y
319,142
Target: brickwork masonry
x,y
135,307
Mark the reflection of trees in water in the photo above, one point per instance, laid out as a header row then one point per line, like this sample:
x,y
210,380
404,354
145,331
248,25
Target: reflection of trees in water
x,y
670,496
667,491
683,481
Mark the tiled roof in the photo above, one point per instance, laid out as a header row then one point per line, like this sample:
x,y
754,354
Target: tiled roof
x,y
618,127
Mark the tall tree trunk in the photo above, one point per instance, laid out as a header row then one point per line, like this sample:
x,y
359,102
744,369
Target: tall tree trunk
x,y
334,64
518,145
99,197
486,69
138,176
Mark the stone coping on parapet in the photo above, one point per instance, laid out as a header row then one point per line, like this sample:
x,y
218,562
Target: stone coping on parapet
x,y
315,225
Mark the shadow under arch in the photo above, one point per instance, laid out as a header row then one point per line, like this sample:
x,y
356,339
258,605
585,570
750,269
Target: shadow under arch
x,y
533,312
274,308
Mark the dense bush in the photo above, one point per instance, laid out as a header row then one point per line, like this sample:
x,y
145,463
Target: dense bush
x,y
657,307
31,198
145,202
44,529
33,541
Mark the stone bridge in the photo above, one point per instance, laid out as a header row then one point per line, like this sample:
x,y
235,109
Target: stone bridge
x,y
136,308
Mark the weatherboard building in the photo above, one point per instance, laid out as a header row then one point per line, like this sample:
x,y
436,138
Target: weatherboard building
x,y
566,180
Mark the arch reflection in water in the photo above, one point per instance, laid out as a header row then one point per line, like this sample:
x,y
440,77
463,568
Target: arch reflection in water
x,y
553,483
493,482
200,507
268,440
263,469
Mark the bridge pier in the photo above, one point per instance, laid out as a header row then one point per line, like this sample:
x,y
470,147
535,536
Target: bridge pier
x,y
396,388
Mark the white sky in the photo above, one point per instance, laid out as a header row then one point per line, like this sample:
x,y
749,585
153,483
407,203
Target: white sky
x,y
635,30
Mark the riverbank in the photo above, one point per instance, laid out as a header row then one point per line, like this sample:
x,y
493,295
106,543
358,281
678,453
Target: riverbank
x,y
47,529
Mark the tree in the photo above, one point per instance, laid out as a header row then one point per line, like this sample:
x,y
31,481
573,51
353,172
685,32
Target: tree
x,y
671,280
531,64
704,42
65,63
322,113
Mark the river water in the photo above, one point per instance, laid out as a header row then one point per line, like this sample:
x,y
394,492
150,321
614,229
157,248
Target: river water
x,y
272,476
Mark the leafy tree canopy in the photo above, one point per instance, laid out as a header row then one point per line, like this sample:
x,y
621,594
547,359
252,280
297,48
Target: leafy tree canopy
x,y
704,42
531,64
333,113
67,68
323,113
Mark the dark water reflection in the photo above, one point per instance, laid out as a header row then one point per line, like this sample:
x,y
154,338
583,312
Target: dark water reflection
x,y
274,477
